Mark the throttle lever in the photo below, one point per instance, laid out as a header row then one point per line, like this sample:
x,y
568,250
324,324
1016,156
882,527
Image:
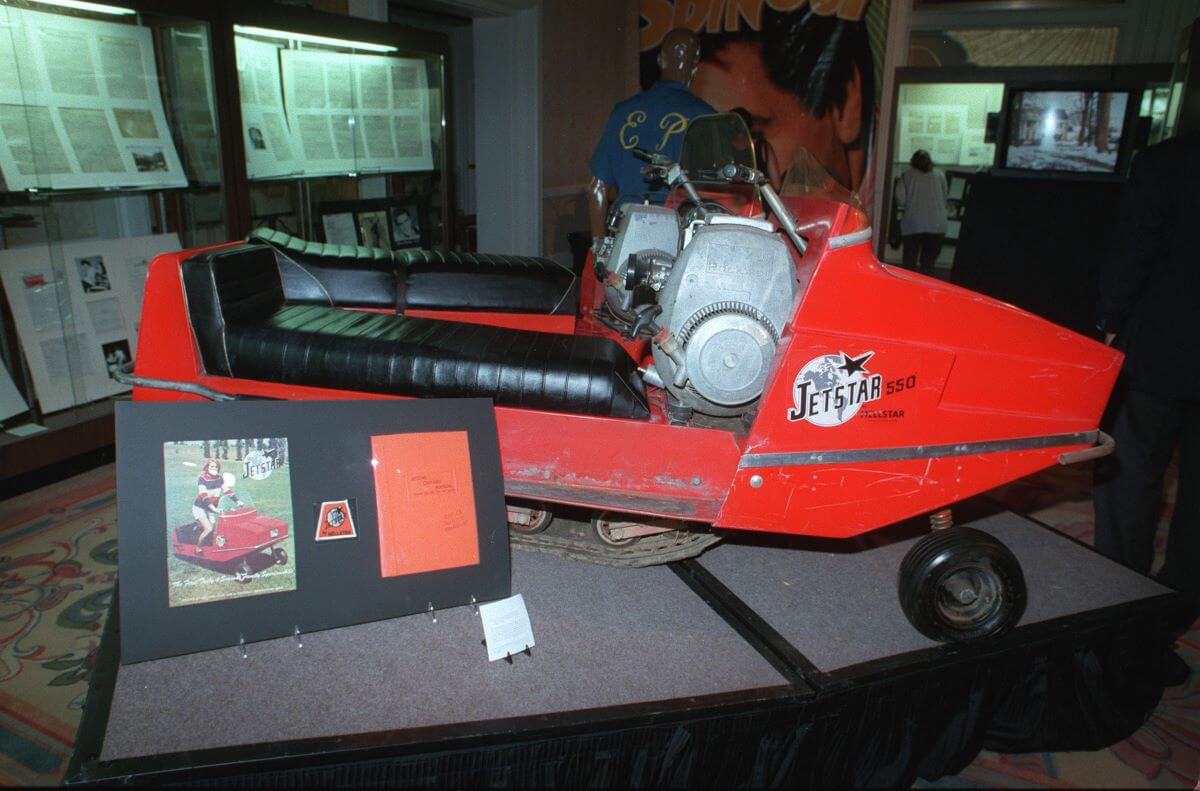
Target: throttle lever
x,y
651,157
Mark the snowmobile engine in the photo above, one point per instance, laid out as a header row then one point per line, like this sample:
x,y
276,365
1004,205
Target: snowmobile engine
x,y
725,300
645,231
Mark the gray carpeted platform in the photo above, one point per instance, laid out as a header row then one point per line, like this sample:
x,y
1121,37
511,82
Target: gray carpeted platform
x,y
604,637
840,609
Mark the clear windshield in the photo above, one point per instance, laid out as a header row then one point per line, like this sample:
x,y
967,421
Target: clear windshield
x,y
807,179
712,142
232,501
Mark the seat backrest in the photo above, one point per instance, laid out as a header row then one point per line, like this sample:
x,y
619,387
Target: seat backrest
x,y
338,275
351,276
227,286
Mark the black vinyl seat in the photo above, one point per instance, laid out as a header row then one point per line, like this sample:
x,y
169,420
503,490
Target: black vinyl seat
x,y
369,277
245,328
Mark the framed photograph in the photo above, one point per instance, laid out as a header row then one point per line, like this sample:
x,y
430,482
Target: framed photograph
x,y
339,228
373,229
246,520
399,222
406,226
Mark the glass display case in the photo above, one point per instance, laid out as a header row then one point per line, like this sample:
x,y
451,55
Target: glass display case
x,y
344,140
955,123
137,129
140,127
949,120
109,155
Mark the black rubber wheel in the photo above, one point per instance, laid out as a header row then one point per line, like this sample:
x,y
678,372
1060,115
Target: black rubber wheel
x,y
244,573
961,585
280,556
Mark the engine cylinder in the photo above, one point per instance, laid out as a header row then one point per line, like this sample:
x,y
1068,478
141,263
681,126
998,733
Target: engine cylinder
x,y
726,300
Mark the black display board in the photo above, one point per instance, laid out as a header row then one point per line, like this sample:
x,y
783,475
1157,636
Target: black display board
x,y
324,448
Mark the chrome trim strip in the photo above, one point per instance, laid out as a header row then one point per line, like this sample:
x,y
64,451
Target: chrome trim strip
x,y
848,239
754,460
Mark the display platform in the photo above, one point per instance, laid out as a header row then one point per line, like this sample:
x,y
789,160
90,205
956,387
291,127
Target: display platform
x,y
856,621
755,664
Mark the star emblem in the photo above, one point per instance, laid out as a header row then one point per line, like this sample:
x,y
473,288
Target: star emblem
x,y
852,365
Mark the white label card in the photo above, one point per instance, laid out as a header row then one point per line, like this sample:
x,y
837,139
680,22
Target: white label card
x,y
506,627
26,430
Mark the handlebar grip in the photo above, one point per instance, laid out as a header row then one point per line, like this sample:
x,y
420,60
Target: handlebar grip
x,y
740,173
643,155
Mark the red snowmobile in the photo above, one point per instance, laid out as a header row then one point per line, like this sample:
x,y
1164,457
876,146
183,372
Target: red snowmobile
x,y
740,360
239,534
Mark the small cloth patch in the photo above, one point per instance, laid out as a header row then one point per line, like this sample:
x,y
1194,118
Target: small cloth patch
x,y
335,521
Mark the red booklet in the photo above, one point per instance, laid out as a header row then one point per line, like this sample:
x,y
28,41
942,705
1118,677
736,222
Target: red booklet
x,y
425,501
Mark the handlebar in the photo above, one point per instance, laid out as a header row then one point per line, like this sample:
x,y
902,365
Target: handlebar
x,y
657,160
741,173
734,173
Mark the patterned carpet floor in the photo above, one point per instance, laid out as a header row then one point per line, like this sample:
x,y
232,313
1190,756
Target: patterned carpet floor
x,y
58,563
1165,753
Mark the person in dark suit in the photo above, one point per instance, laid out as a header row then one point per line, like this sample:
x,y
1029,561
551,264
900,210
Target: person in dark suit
x,y
1149,305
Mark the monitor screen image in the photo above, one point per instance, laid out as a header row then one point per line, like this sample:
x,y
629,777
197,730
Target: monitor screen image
x,y
1077,131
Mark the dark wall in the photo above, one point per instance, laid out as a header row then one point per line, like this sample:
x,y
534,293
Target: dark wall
x,y
1037,243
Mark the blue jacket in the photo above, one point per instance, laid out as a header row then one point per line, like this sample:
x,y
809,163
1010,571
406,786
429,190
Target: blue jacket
x,y
655,120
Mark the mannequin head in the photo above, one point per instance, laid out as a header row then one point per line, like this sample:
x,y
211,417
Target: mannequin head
x,y
679,55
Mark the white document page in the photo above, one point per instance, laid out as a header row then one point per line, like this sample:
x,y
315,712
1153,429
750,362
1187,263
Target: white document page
x,y
77,317
80,105
271,147
26,430
506,627
192,97
358,113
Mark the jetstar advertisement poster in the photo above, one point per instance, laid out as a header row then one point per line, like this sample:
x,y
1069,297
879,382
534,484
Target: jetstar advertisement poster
x,y
806,73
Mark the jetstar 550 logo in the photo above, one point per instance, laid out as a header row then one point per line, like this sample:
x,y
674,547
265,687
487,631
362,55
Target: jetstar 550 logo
x,y
830,389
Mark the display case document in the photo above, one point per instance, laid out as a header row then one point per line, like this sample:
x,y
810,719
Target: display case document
x,y
271,148
80,106
77,316
357,113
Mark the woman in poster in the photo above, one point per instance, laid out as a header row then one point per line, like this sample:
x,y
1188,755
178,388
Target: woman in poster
x,y
204,507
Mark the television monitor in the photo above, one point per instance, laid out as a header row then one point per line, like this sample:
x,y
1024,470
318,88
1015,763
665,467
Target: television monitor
x,y
1065,131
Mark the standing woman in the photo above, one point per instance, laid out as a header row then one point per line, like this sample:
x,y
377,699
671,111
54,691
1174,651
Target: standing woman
x,y
921,195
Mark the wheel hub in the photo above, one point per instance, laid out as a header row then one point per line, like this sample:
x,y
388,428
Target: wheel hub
x,y
969,596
